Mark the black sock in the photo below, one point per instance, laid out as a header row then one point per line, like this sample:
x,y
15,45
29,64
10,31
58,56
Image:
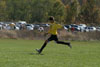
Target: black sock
x,y
44,45
60,42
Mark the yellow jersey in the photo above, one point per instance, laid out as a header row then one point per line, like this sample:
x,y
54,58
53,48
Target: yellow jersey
x,y
53,28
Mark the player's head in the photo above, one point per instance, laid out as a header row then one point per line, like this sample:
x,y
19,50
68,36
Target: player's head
x,y
51,19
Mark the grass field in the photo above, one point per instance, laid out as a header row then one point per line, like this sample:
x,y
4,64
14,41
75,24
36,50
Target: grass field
x,y
21,53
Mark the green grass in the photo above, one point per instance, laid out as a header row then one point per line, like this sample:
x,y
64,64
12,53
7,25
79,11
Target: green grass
x,y
21,53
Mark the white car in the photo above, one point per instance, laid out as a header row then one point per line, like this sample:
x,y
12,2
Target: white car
x,y
82,25
92,29
77,28
98,28
17,28
65,28
86,29
8,28
19,23
89,29
29,28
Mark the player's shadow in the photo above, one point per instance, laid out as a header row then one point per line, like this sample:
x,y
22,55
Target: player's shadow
x,y
36,54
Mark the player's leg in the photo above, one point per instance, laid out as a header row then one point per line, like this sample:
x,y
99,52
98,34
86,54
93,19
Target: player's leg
x,y
45,43
61,42
64,43
43,46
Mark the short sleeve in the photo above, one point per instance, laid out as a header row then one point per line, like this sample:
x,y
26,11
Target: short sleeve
x,y
59,26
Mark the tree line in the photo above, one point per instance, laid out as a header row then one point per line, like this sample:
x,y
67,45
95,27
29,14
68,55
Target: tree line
x,y
39,10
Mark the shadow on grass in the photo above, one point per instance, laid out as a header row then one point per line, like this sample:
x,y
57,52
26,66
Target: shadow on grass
x,y
20,52
36,54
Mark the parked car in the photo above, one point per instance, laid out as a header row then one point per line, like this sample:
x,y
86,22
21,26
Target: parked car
x,y
66,27
1,23
19,23
98,28
92,28
36,26
76,27
8,28
17,28
82,25
89,29
86,29
44,25
29,26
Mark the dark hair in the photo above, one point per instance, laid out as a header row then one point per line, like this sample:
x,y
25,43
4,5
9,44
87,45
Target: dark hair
x,y
51,18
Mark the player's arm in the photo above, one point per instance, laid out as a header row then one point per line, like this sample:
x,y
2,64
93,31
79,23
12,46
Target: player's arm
x,y
47,32
60,26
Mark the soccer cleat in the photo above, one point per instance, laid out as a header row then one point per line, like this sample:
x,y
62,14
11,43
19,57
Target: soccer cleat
x,y
69,45
38,51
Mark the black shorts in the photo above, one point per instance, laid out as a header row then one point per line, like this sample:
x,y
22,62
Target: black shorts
x,y
53,37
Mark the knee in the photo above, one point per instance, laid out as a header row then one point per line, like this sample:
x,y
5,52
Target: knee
x,y
46,41
57,42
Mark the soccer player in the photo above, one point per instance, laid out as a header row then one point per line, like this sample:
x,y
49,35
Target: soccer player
x,y
53,32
